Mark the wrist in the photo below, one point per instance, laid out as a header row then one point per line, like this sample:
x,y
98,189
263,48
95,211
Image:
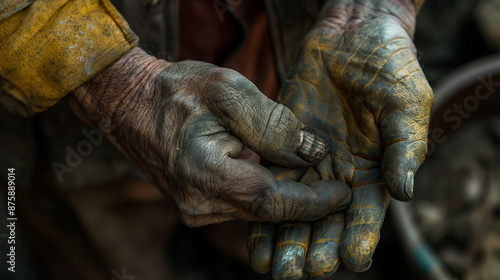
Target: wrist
x,y
346,16
115,92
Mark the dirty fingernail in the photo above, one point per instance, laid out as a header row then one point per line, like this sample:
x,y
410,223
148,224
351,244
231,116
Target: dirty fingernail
x,y
310,146
408,188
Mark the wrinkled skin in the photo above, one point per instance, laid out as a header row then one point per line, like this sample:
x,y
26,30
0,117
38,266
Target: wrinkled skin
x,y
185,125
358,83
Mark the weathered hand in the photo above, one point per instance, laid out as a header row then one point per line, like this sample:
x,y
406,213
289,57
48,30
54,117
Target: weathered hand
x,y
185,124
358,83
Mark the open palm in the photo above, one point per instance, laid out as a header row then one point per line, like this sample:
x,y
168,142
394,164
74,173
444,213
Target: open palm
x,y
362,88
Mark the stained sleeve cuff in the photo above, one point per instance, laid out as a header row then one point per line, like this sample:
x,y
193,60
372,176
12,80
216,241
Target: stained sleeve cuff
x,y
51,47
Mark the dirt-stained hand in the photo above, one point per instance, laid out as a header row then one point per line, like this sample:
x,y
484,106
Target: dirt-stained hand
x,y
358,83
185,124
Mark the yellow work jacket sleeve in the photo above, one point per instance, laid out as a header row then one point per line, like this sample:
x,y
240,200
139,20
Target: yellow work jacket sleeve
x,y
50,47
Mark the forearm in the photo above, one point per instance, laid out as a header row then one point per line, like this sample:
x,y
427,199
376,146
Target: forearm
x,y
346,15
125,102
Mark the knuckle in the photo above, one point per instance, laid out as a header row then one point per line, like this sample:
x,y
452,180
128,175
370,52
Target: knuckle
x,y
225,90
221,75
236,87
228,77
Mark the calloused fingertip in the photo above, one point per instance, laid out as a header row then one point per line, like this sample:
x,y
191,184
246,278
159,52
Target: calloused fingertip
x,y
401,162
292,243
356,263
260,250
289,262
322,261
261,260
260,247
362,268
356,249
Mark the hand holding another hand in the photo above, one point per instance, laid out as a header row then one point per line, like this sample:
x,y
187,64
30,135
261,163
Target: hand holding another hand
x,y
185,124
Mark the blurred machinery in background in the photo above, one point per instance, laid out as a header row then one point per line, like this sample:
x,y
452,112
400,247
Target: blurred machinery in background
x,y
452,227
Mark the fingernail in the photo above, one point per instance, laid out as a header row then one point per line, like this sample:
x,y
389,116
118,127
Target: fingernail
x,y
409,185
310,146
364,267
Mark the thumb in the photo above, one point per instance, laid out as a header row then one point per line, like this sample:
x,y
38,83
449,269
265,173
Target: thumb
x,y
268,128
